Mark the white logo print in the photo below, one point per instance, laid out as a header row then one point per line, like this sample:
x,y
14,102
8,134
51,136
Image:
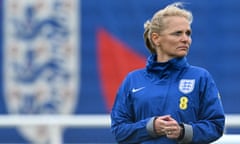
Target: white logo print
x,y
138,89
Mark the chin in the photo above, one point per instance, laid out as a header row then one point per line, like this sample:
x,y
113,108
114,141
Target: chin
x,y
182,55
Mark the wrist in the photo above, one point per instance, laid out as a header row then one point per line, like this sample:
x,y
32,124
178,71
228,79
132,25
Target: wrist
x,y
182,132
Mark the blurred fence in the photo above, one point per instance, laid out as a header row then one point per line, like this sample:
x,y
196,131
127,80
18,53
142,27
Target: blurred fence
x,y
56,123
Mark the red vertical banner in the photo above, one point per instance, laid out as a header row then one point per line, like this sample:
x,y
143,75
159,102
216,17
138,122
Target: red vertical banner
x,y
115,60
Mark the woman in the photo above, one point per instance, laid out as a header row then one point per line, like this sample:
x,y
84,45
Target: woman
x,y
169,101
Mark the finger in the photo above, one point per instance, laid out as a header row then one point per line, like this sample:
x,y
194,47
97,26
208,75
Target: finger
x,y
171,129
171,119
169,133
165,117
172,132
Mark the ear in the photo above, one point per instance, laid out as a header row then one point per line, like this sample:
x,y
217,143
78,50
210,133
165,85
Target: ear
x,y
155,39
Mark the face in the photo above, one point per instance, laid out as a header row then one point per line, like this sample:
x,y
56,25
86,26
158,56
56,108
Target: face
x,y
175,40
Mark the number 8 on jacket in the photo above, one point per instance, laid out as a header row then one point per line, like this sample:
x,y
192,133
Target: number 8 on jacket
x,y
183,103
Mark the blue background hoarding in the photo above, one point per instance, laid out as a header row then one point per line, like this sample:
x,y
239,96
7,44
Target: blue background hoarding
x,y
104,40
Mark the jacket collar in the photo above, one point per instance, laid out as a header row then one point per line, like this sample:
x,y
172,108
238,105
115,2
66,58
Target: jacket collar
x,y
176,63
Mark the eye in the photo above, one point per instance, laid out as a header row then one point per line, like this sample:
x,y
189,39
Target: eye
x,y
177,33
188,33
180,33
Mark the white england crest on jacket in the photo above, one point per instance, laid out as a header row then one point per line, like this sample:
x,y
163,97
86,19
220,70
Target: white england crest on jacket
x,y
186,85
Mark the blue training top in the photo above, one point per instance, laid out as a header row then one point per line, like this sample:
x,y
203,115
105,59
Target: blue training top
x,y
187,93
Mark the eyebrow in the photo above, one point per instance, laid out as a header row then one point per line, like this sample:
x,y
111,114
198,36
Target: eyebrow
x,y
181,31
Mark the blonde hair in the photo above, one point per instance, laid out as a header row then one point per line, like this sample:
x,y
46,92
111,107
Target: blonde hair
x,y
156,25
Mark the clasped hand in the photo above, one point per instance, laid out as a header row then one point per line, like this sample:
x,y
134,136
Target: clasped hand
x,y
166,125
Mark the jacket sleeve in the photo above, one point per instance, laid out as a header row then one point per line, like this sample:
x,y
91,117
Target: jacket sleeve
x,y
211,119
123,124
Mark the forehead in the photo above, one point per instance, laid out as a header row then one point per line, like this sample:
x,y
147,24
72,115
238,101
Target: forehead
x,y
176,23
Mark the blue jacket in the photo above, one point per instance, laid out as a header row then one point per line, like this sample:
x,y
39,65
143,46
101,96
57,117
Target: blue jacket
x,y
187,93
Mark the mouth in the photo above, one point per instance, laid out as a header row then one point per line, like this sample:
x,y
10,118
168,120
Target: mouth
x,y
182,47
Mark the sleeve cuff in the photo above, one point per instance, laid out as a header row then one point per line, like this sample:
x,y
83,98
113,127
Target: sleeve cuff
x,y
150,127
188,134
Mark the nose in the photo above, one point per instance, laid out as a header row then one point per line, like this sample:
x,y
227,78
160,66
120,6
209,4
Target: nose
x,y
185,38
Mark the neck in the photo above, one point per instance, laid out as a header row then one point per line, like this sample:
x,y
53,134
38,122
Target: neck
x,y
162,59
